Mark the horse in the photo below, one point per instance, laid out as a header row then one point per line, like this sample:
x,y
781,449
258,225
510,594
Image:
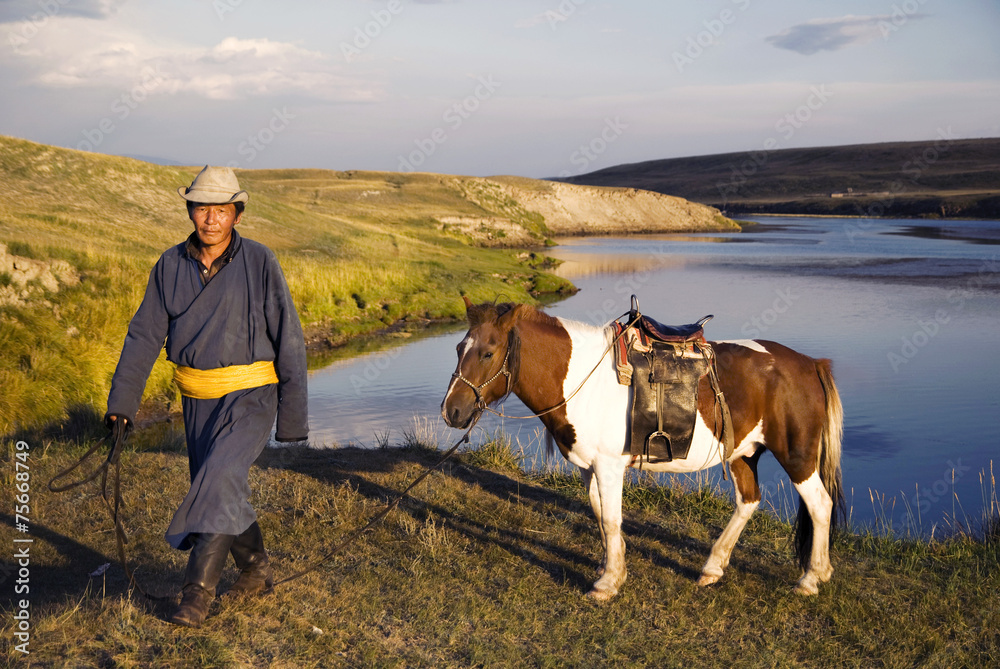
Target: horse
x,y
780,400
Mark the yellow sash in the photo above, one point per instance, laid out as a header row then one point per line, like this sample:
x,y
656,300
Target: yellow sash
x,y
206,384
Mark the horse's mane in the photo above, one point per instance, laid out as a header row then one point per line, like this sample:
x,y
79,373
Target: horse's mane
x,y
490,311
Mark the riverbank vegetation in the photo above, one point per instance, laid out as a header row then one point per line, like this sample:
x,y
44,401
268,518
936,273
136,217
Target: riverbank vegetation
x,y
484,564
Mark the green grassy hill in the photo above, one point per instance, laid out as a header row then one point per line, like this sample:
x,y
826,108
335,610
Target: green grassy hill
x,y
79,233
943,178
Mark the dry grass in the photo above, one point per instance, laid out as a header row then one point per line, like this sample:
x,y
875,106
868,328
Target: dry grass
x,y
486,566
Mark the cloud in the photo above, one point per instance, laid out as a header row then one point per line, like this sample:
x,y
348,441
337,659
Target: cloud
x,y
833,34
33,10
60,54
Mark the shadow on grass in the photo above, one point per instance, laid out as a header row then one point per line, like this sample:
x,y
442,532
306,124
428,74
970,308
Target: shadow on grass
x,y
70,578
654,543
82,423
348,466
661,545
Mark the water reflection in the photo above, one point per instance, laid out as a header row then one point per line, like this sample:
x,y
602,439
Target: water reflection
x,y
870,443
599,264
970,234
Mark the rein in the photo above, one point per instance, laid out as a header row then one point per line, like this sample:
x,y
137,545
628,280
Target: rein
x,y
483,406
381,514
120,430
725,439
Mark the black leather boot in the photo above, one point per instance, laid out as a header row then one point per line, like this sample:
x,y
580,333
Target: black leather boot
x,y
208,556
256,576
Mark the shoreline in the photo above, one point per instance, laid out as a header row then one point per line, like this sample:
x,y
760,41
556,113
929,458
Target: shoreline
x,y
866,218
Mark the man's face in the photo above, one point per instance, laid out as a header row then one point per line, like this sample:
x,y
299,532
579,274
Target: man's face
x,y
214,222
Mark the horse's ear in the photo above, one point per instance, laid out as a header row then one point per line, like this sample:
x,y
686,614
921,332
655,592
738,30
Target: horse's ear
x,y
473,314
477,314
507,320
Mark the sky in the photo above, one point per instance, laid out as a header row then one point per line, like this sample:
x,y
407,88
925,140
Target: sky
x,y
537,88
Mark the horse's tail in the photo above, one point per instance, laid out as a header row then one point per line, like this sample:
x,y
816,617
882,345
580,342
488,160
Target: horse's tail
x,y
829,465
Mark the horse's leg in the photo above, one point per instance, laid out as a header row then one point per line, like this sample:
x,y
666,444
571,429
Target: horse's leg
x,y
606,487
590,485
747,500
820,508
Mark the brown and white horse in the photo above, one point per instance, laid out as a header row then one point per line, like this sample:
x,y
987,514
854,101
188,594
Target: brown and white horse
x,y
780,400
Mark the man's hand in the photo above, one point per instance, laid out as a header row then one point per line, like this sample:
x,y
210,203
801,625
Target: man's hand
x,y
110,419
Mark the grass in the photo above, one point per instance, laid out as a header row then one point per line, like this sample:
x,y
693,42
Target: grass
x,y
485,564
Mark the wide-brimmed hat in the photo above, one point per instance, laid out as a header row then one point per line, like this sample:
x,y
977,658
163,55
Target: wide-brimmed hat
x,y
214,185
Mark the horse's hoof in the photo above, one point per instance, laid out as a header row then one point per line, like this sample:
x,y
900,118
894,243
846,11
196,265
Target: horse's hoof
x,y
806,588
601,595
708,579
605,588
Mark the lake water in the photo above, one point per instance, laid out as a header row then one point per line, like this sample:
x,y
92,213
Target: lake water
x,y
908,310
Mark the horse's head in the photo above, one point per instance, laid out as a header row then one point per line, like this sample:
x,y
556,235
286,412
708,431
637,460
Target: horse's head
x,y
487,362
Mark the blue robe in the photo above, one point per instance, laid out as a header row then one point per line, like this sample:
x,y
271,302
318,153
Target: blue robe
x,y
244,314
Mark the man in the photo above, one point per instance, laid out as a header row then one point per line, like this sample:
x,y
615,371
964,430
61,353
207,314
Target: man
x,y
224,309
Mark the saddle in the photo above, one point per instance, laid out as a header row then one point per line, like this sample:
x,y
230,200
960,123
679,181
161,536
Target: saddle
x,y
664,364
671,334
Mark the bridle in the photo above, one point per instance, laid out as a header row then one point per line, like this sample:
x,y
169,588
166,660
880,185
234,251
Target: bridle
x,y
504,371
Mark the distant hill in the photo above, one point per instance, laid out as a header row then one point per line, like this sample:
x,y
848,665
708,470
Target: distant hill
x,y
943,178
167,162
